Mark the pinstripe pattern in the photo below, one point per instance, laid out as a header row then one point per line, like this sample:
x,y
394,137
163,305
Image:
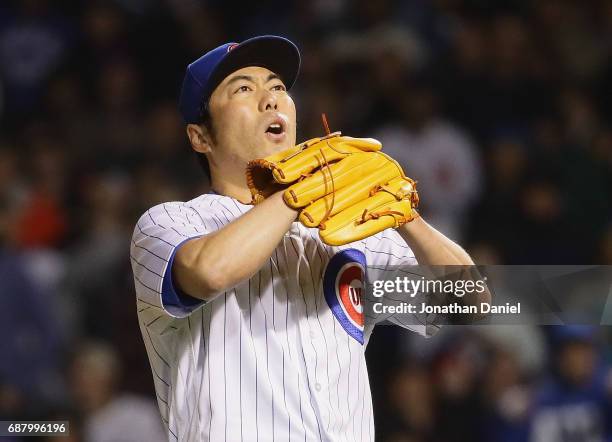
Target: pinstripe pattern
x,y
266,360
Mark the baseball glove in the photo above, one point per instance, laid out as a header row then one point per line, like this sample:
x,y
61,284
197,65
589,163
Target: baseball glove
x,y
344,186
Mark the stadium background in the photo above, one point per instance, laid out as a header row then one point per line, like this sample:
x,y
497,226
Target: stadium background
x,y
501,112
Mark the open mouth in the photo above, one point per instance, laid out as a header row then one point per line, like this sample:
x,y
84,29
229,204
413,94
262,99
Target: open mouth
x,y
275,129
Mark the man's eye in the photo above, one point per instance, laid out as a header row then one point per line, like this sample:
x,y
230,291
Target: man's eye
x,y
243,89
279,87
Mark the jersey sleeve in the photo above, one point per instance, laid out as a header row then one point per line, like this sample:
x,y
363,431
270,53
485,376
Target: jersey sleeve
x,y
158,235
388,250
425,324
389,257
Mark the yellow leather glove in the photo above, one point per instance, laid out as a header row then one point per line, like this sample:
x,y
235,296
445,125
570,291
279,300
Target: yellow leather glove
x,y
345,186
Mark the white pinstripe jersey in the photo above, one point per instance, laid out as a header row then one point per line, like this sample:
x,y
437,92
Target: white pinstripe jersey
x,y
272,359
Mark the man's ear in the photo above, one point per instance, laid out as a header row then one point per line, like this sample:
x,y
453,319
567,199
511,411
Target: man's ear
x,y
199,138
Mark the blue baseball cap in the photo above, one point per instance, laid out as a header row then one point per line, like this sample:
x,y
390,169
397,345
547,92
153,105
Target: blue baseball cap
x,y
278,54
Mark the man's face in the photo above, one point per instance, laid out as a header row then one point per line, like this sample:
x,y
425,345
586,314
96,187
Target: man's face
x,y
577,361
253,116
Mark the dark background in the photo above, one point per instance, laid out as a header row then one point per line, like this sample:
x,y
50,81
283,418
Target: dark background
x,y
501,110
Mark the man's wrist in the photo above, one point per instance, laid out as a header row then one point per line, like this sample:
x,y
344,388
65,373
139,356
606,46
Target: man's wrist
x,y
282,206
412,228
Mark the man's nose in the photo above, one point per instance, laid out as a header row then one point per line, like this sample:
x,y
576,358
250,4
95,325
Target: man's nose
x,y
268,102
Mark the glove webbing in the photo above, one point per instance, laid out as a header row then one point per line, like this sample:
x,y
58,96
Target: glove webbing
x,y
366,216
325,166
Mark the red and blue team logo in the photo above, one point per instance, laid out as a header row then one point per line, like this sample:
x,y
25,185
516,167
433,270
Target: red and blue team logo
x,y
231,46
344,288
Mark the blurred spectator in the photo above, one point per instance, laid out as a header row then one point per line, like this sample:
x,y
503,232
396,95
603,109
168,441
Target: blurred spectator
x,y
524,343
118,133
28,310
542,224
568,28
31,357
42,218
33,41
459,408
105,37
465,64
110,415
12,400
436,153
574,403
411,399
69,113
506,397
95,265
165,142
495,214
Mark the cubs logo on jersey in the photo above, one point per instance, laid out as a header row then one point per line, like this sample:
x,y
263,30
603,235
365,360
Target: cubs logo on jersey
x,y
344,288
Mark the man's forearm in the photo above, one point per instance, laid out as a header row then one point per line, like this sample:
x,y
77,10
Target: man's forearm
x,y
215,262
431,247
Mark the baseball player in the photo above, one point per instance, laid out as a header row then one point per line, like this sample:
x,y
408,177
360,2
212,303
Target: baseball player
x,y
243,310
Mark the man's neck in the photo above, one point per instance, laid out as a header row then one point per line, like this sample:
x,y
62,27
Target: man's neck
x,y
233,186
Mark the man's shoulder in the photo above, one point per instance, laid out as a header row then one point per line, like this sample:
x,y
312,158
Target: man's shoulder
x,y
207,202
203,200
389,244
197,211
214,201
385,239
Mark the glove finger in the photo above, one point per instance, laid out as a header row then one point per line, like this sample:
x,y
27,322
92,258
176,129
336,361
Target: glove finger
x,y
333,178
267,175
306,159
357,190
259,175
388,212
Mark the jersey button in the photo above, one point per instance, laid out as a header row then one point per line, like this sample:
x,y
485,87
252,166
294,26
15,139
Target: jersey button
x,y
318,386
312,335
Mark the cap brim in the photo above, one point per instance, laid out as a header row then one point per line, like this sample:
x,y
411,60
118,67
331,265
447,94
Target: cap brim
x,y
277,54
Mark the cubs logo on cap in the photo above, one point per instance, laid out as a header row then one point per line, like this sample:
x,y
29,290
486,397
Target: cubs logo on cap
x,y
344,289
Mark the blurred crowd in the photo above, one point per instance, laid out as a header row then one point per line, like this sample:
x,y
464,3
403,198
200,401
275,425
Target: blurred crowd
x,y
496,384
500,110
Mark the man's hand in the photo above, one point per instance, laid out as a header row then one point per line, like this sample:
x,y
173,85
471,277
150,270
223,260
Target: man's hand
x,y
344,186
